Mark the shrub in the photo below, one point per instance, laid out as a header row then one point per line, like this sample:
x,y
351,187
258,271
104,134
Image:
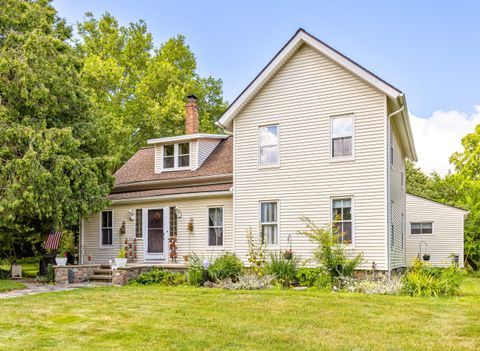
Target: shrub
x,y
335,259
386,286
424,280
159,277
256,254
284,270
226,266
196,274
4,273
308,276
247,282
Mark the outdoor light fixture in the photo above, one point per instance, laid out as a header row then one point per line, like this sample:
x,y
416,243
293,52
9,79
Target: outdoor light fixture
x,y
178,212
131,215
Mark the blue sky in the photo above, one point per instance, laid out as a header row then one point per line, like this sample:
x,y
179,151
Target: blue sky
x,y
428,49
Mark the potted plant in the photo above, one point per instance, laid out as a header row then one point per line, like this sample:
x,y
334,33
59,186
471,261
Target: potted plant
x,y
121,259
288,254
426,257
65,247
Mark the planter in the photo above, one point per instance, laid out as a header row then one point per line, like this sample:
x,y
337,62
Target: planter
x,y
287,255
121,262
426,257
61,261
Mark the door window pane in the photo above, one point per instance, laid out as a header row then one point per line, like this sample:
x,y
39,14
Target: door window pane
x,y
155,231
138,223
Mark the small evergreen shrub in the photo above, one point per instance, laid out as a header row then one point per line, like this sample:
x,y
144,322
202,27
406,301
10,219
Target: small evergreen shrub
x,y
226,266
424,280
4,273
285,271
159,277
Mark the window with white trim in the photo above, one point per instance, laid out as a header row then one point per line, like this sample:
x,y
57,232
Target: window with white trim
x,y
342,219
169,156
269,222
215,226
268,145
176,156
421,228
184,155
106,231
342,136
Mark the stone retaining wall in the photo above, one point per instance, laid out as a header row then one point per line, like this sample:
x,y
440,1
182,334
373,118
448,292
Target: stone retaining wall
x,y
121,276
81,273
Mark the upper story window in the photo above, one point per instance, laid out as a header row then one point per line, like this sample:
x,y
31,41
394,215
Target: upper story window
x,y
342,219
176,156
106,230
269,222
342,136
268,144
421,228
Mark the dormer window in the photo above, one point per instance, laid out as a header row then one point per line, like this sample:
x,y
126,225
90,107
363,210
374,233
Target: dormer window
x,y
176,156
342,136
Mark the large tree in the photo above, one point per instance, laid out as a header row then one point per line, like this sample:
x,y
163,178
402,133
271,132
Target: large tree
x,y
52,166
141,90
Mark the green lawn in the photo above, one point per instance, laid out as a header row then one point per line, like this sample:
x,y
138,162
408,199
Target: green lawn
x,y
29,265
156,318
7,285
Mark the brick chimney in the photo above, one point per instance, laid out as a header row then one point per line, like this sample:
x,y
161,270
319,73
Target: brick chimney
x,y
191,117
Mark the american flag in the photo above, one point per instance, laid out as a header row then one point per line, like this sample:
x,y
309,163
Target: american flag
x,y
53,240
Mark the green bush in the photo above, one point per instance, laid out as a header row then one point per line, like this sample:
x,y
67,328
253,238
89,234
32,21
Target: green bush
x,y
308,276
284,270
424,280
159,277
336,259
226,266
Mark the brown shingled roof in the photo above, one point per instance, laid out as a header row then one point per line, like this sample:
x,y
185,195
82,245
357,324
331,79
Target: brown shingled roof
x,y
171,191
140,167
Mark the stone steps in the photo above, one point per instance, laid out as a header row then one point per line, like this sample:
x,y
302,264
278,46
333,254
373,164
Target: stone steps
x,y
102,274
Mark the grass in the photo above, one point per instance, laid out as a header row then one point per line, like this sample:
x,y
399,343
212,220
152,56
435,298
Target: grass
x,y
156,318
29,265
7,285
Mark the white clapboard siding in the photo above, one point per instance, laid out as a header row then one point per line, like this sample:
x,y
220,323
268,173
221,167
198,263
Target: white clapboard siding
x,y
301,98
195,208
205,148
447,238
398,193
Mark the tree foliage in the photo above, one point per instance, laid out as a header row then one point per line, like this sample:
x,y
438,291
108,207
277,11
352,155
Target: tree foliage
x,y
141,90
51,169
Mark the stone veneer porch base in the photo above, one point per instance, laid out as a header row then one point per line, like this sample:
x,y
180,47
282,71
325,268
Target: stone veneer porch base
x,y
120,276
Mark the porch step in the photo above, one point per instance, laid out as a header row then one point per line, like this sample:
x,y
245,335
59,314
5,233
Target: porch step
x,y
103,271
101,277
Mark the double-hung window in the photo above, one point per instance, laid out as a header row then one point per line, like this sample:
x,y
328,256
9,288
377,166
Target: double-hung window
x,y
268,145
421,228
106,231
342,136
342,219
215,226
176,156
169,156
269,222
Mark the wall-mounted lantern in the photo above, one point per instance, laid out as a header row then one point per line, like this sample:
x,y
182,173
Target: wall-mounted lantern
x,y
131,215
178,212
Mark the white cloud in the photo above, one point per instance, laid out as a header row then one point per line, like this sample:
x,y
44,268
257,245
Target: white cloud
x,y
439,136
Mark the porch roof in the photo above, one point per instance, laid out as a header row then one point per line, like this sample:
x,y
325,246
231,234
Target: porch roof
x,y
198,190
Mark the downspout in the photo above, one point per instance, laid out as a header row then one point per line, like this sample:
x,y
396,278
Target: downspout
x,y
389,195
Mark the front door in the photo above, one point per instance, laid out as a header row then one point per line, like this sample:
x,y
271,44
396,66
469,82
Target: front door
x,y
156,224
